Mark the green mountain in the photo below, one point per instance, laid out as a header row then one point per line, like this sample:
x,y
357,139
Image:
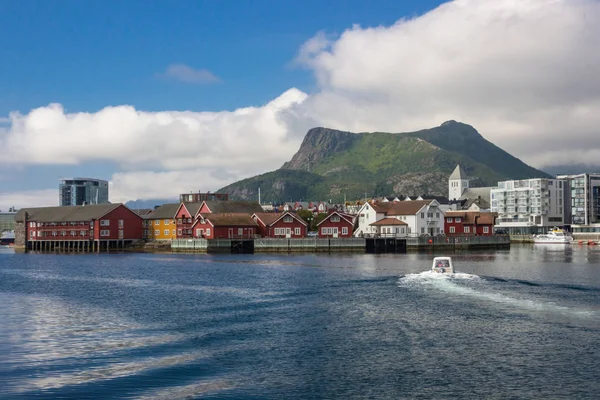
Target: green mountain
x,y
333,165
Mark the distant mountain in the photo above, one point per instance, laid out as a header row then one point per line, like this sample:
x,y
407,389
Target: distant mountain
x,y
138,204
331,164
572,169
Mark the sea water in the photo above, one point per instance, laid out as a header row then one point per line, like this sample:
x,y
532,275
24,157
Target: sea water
x,y
522,323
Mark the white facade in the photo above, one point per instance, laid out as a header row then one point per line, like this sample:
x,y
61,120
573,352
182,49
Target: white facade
x,y
426,220
584,198
457,183
530,205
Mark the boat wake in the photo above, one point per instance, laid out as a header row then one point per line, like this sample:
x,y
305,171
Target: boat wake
x,y
466,285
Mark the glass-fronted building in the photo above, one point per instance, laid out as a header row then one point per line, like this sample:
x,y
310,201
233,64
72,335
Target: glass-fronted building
x,y
584,198
77,191
530,206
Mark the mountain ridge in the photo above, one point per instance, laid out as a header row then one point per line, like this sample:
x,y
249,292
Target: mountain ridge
x,y
338,164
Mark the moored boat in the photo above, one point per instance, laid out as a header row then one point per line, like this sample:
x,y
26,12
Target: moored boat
x,y
554,236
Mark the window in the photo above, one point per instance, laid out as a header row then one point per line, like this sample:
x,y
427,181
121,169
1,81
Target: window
x,y
120,223
486,229
63,233
335,218
105,233
344,230
174,232
73,233
467,229
457,219
198,232
83,233
288,218
156,232
430,215
240,231
166,222
452,230
207,231
166,232
422,215
31,234
448,219
297,231
157,222
437,214
189,220
105,222
422,230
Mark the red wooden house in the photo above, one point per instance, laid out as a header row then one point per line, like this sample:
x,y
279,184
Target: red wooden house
x,y
280,225
336,224
470,223
225,226
185,218
101,223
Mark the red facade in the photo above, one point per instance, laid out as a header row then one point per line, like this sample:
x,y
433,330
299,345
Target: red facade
x,y
469,223
225,226
275,225
185,221
120,223
336,224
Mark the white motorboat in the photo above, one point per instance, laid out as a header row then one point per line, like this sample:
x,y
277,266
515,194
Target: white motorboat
x,y
554,236
442,265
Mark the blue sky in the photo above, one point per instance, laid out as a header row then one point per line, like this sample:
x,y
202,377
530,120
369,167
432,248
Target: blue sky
x,y
90,54
165,97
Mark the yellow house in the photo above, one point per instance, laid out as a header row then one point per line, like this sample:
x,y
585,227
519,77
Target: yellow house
x,y
160,223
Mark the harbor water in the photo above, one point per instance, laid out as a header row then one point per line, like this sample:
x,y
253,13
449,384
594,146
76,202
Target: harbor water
x,y
519,323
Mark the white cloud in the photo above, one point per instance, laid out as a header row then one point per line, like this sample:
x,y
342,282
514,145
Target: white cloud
x,y
523,72
184,73
29,198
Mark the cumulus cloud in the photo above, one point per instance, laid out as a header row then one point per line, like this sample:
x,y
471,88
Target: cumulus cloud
x,y
187,74
523,72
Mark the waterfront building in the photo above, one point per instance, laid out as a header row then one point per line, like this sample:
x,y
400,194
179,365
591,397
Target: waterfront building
x,y
469,223
200,197
390,227
160,223
530,206
423,217
7,220
336,224
78,227
225,226
78,191
280,225
583,202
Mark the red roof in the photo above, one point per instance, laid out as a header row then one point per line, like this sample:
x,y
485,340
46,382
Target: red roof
x,y
388,221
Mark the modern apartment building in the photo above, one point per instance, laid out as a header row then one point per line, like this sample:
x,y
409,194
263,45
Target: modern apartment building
x,y
530,205
79,191
584,198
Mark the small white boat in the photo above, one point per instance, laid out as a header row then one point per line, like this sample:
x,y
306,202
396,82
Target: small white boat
x,y
554,236
442,265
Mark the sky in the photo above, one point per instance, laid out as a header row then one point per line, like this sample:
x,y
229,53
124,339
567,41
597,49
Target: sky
x,y
165,97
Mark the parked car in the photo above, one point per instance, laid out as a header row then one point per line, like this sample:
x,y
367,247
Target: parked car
x,y
312,234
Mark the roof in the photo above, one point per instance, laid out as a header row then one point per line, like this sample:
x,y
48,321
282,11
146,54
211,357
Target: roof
x,y
388,221
473,193
347,217
474,217
479,202
439,199
163,212
229,206
271,218
192,207
408,207
382,207
66,213
458,173
142,211
230,219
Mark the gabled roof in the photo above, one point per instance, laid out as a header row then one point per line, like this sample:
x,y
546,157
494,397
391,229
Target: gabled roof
x,y
473,217
458,173
192,207
163,212
142,211
408,207
346,217
271,218
479,202
230,219
388,221
382,207
473,193
229,206
439,199
67,213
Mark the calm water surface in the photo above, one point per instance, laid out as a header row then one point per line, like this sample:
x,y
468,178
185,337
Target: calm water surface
x,y
523,323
